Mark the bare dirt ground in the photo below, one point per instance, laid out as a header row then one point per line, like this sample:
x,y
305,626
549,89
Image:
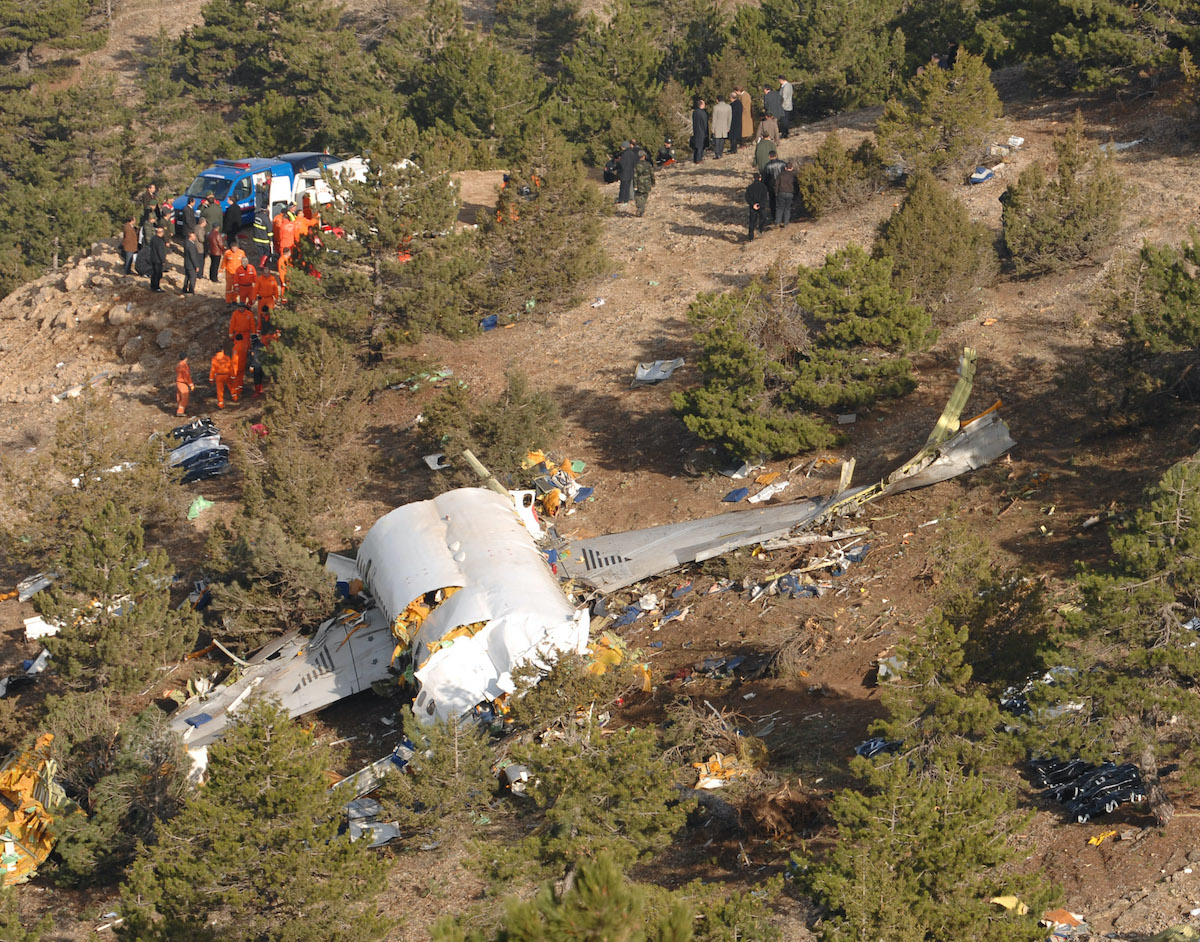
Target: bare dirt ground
x,y
88,320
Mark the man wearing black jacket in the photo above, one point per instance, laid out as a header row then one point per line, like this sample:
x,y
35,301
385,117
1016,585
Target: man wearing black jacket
x,y
193,262
699,131
757,198
626,164
735,128
770,174
158,258
231,223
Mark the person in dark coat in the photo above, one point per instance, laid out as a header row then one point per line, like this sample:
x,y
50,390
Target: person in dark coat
x,y
149,201
773,102
699,131
193,262
757,199
735,126
770,174
158,258
187,219
626,164
129,244
231,222
785,193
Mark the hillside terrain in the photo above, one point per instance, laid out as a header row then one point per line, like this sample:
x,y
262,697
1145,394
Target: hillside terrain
x,y
88,325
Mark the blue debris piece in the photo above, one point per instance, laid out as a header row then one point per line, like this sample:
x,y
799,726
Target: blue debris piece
x,y
656,644
491,322
737,495
792,587
583,494
671,616
199,719
631,614
551,556
858,554
682,590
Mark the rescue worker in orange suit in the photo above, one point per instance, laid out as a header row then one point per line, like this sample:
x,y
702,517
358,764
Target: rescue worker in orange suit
x,y
268,296
231,261
308,219
220,376
285,263
246,281
241,353
183,385
287,232
241,326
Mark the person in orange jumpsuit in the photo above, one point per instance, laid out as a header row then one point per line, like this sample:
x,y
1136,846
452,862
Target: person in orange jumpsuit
x,y
246,281
231,261
276,227
241,353
286,233
285,263
241,326
183,384
220,376
268,296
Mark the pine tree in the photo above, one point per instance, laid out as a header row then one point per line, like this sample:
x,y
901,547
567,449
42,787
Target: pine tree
x,y
257,854
602,904
942,120
610,82
1130,652
838,178
125,776
58,24
540,29
925,841
852,295
448,784
1113,43
12,927
113,599
938,255
1051,223
400,204
600,793
848,55
546,245
264,582
500,433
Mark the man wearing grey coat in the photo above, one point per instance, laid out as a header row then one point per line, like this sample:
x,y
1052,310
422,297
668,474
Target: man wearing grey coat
x,y
722,120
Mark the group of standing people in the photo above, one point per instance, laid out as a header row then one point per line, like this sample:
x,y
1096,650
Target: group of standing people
x,y
732,122
252,291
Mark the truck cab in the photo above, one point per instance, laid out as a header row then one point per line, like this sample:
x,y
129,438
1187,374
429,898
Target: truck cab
x,y
252,183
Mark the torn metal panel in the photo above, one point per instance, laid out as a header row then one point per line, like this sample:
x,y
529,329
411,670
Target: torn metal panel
x,y
343,567
953,448
510,605
347,654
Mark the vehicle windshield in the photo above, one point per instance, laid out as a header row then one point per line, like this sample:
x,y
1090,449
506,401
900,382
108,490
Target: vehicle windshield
x,y
202,186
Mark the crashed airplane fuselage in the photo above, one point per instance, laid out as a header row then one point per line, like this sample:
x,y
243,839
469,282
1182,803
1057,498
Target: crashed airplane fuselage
x,y
456,592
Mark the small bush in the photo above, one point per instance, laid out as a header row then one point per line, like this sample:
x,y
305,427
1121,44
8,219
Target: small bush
x,y
938,255
1053,223
942,120
547,698
838,178
500,433
780,348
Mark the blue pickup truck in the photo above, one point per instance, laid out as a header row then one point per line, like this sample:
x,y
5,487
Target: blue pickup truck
x,y
251,182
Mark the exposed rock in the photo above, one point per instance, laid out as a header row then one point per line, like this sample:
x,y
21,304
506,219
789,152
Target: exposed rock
x,y
157,320
101,281
120,315
75,278
165,338
132,349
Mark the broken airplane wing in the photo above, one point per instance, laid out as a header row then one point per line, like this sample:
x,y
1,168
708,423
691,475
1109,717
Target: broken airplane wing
x,y
617,560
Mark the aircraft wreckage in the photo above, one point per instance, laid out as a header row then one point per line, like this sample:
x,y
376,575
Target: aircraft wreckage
x,y
455,592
